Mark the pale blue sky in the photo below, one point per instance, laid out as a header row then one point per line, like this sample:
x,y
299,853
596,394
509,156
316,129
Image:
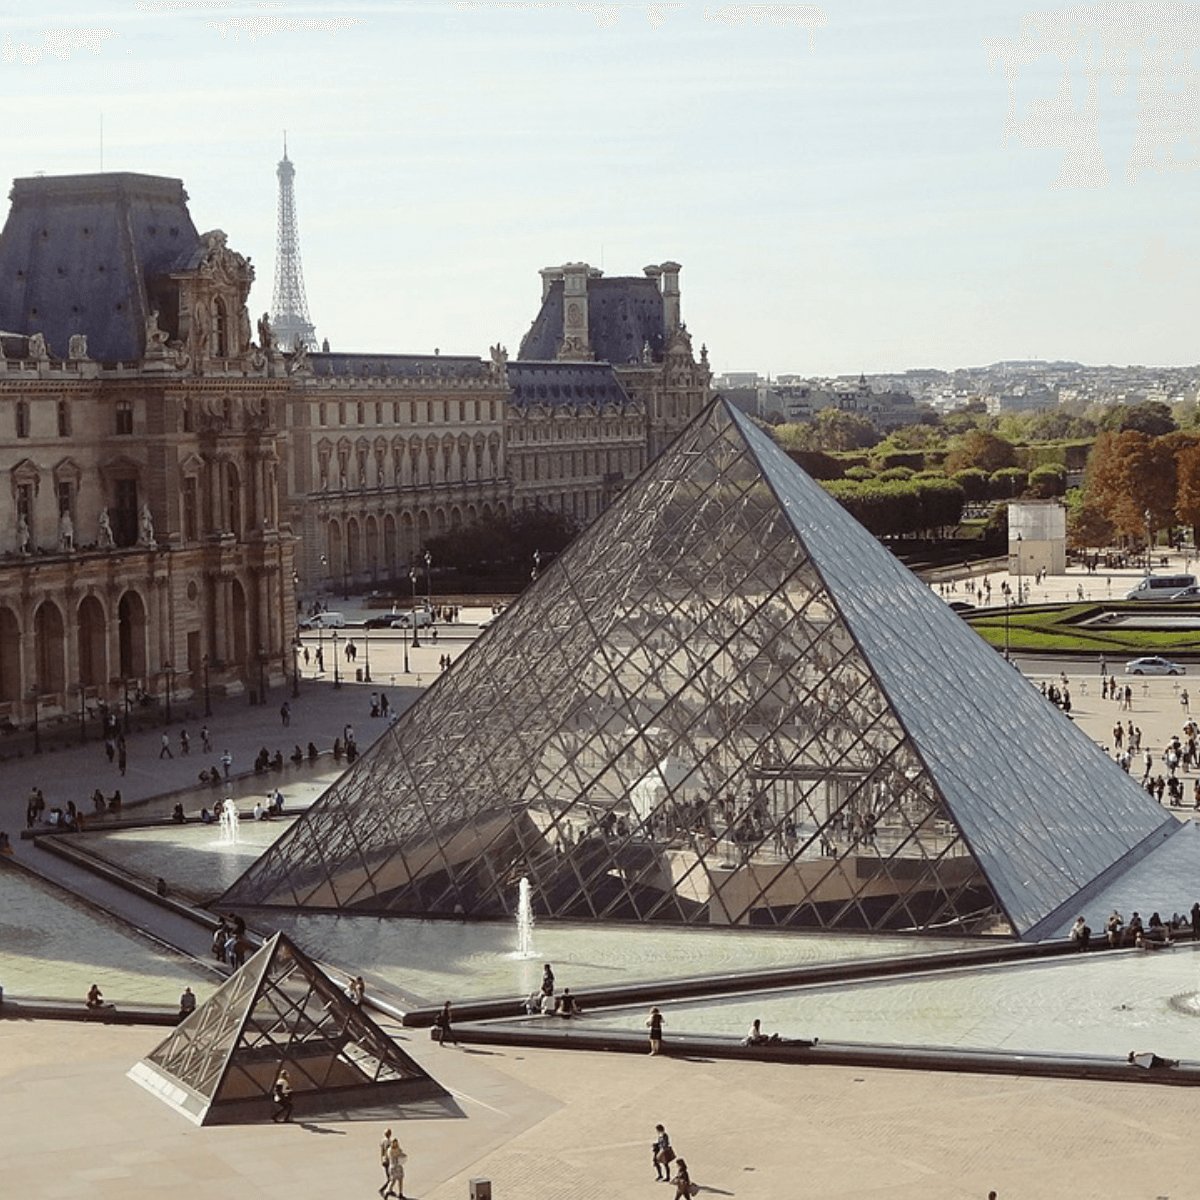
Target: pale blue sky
x,y
844,208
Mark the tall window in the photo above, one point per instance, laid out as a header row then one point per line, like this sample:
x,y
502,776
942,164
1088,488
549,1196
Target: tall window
x,y
361,414
220,330
321,413
25,502
62,492
64,419
190,507
124,416
125,515
22,418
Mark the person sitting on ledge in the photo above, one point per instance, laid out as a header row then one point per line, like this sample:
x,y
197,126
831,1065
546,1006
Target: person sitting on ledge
x,y
177,814
312,751
755,1037
567,1006
337,750
297,755
1149,1060
206,818
115,803
98,800
5,844
277,761
1081,935
95,998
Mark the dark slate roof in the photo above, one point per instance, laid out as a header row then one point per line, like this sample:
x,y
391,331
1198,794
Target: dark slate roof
x,y
624,313
564,383
76,253
377,366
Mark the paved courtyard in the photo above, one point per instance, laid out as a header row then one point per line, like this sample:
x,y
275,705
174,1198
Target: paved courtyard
x,y
550,1124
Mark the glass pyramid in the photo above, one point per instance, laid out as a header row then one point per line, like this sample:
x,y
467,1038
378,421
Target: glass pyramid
x,y
279,1010
725,704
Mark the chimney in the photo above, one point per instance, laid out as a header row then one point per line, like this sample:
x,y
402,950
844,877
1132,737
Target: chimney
x,y
669,283
576,343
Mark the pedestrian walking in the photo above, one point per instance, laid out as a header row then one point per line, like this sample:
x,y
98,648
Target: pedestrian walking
x,y
384,1146
187,1003
121,755
204,739
281,1093
285,714
226,762
166,746
664,1156
185,744
655,1024
683,1180
396,1159
441,1024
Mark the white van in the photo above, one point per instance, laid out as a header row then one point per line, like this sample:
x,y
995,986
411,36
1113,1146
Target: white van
x,y
1161,587
325,620
407,619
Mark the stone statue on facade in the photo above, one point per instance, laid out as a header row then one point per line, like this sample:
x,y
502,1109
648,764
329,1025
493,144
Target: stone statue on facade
x,y
106,538
37,347
156,338
499,367
77,346
147,538
23,536
66,534
266,335
299,363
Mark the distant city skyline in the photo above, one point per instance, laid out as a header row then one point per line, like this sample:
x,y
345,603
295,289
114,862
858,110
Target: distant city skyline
x,y
849,187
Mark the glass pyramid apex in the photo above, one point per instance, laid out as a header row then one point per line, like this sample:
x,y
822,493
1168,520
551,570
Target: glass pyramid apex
x,y
725,703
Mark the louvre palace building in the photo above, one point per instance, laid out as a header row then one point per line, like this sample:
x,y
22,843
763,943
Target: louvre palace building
x,y
176,480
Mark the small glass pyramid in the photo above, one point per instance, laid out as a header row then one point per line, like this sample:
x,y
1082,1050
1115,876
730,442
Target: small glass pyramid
x,y
725,704
279,1010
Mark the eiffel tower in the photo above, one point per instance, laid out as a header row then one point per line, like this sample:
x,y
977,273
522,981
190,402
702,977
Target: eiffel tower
x,y
289,308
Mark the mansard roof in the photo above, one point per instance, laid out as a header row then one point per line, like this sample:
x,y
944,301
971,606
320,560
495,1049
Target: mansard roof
x,y
624,314
573,384
373,366
77,251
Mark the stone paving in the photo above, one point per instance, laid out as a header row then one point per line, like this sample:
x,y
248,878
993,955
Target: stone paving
x,y
540,1123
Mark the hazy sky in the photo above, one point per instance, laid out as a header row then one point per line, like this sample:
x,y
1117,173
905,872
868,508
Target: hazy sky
x,y
849,186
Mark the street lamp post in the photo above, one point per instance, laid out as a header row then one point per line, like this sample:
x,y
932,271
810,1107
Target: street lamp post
x,y
125,685
337,679
35,694
295,668
1149,564
1020,573
405,631
82,712
367,654
207,699
429,583
170,670
412,575
1007,609
262,676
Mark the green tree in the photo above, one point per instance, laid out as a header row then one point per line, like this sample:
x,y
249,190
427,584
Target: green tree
x,y
1048,480
1008,483
838,430
1151,417
973,482
987,451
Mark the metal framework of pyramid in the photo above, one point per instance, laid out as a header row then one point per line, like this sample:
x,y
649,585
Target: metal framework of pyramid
x,y
279,1011
725,704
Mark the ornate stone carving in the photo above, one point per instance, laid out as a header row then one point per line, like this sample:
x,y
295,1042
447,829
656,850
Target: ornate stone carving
x,y
37,347
227,267
105,537
66,534
266,335
499,367
156,338
77,347
147,525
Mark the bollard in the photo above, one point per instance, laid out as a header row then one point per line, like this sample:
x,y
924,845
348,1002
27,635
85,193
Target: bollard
x,y
481,1188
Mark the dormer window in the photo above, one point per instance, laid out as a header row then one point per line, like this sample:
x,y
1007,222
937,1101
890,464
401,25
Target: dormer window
x,y
220,329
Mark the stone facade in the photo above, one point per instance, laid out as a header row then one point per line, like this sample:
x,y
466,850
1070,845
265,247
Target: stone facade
x,y
140,537
634,324
386,451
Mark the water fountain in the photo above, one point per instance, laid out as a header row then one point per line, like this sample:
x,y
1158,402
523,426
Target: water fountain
x,y
525,920
229,822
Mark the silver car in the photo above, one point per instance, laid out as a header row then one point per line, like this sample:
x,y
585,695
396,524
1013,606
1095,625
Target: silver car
x,y
1152,664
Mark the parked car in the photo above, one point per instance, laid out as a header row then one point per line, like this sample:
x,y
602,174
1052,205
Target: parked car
x,y
962,606
405,620
1152,664
382,621
324,620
